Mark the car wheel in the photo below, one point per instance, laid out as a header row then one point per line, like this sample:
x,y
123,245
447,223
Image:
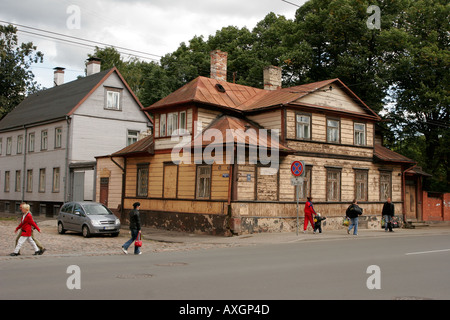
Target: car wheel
x,y
61,229
86,231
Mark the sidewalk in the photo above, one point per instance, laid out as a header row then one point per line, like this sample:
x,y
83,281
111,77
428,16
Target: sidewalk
x,y
158,240
273,238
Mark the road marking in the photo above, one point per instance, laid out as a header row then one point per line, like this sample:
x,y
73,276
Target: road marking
x,y
425,252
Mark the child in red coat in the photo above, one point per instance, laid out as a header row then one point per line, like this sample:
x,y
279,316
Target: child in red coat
x,y
26,225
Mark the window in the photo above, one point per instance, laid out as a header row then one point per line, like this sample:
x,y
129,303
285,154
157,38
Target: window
x,y
142,180
7,179
113,99
385,185
132,137
44,140
162,125
29,180
361,185
18,181
360,134
203,182
333,184
8,146
41,180
58,137
303,126
56,180
31,142
183,121
172,123
19,144
333,131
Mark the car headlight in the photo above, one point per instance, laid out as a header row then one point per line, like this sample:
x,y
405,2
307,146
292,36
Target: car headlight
x,y
96,223
117,221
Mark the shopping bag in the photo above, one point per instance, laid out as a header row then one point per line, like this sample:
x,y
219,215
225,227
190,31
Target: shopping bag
x,y
138,241
346,222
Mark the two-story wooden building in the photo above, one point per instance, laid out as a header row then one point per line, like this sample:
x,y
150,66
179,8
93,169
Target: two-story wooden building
x,y
48,143
220,158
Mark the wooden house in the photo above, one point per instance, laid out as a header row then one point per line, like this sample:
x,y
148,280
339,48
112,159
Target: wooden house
x,y
48,143
199,173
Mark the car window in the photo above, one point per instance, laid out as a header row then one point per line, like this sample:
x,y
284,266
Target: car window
x,y
96,209
67,208
78,208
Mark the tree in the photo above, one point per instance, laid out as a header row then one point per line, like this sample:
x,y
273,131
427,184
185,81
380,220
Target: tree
x,y
420,83
16,80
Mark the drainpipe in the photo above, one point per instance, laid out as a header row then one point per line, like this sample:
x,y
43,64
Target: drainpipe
x,y
404,191
122,201
25,175
66,170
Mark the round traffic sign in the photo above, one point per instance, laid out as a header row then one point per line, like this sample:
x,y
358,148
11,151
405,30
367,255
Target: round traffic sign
x,y
297,168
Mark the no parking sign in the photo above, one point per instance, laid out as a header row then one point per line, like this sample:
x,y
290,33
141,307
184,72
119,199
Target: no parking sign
x,y
298,168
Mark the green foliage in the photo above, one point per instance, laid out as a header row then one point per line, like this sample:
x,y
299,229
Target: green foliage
x,y
16,80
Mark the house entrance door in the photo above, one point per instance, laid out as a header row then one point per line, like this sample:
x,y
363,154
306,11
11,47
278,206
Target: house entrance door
x,y
104,187
410,202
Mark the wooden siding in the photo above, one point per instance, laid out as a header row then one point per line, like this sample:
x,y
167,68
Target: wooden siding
x,y
170,181
108,169
268,120
336,98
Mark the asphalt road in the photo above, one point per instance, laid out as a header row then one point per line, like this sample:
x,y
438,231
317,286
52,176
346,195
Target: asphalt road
x,y
410,267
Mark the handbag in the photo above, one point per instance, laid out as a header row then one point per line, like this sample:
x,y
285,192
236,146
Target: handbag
x,y
138,241
346,222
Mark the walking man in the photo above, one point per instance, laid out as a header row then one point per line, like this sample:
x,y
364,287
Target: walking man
x,y
135,227
388,213
353,212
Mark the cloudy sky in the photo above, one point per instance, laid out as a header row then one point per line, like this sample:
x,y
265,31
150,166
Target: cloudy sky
x,y
151,28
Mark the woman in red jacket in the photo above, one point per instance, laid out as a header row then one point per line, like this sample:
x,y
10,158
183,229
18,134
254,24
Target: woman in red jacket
x,y
26,225
309,212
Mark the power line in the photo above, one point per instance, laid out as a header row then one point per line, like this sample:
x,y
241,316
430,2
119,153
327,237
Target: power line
x,y
76,41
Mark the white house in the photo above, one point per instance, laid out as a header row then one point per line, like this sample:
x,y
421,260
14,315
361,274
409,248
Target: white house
x,y
49,142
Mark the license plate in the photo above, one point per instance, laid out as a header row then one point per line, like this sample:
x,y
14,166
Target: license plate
x,y
108,228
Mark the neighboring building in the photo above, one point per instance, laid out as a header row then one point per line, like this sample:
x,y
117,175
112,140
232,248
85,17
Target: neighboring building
x,y
323,124
48,143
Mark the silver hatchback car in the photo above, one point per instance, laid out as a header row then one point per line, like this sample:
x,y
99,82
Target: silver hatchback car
x,y
88,218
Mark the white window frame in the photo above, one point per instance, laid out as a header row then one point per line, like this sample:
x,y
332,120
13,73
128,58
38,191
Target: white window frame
x,y
303,126
58,137
132,137
31,142
333,130
359,134
113,100
44,139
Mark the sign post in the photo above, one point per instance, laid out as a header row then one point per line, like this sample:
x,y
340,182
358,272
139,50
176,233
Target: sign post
x,y
298,171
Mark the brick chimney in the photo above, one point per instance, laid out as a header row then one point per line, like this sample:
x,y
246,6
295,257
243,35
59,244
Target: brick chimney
x,y
272,78
219,60
93,66
58,76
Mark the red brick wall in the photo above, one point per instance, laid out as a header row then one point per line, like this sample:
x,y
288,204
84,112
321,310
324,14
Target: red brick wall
x,y
436,207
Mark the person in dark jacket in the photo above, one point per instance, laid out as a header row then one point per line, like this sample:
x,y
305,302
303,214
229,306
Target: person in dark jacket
x,y
353,212
388,213
318,223
135,227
